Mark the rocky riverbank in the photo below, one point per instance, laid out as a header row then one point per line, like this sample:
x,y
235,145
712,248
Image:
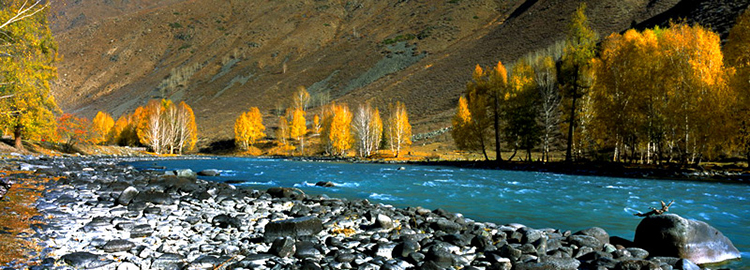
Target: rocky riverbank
x,y
101,215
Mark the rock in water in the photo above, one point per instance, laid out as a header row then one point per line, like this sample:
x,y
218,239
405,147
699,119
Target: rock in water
x,y
293,228
209,172
187,173
674,236
325,184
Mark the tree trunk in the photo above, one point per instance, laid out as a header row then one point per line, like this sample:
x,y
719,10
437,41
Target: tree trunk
x,y
498,153
571,120
17,138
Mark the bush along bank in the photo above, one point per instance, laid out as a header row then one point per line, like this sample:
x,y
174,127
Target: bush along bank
x,y
104,215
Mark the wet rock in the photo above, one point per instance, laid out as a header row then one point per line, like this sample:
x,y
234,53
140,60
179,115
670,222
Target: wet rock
x,y
209,172
673,236
283,192
685,264
127,195
638,253
446,226
169,261
325,184
142,230
596,232
306,249
585,241
185,173
292,228
118,245
155,197
283,247
225,221
637,265
549,263
85,260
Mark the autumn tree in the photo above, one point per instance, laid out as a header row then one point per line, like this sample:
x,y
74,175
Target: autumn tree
x,y
461,126
102,127
368,128
549,101
126,128
301,99
167,128
151,127
27,56
298,128
398,132
696,84
522,130
72,130
187,131
576,64
316,124
737,57
282,130
476,133
248,128
336,134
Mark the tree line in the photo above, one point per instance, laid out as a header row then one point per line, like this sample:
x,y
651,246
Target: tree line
x,y
659,95
338,128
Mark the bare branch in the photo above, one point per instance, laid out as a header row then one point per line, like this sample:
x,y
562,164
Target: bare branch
x,y
654,211
24,13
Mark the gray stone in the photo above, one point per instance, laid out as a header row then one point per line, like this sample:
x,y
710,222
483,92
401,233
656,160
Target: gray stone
x,y
325,184
306,249
283,192
169,261
225,221
596,232
283,247
142,230
292,228
685,264
209,172
155,197
85,260
673,236
127,195
384,222
637,265
118,245
585,241
637,253
446,226
551,263
185,173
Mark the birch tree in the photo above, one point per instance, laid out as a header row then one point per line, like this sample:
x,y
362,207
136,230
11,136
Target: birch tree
x,y
399,129
298,128
368,128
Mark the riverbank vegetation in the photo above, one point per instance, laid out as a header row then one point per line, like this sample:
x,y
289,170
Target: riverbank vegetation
x,y
662,95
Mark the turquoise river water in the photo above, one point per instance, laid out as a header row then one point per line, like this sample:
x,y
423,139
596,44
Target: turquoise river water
x,y
535,199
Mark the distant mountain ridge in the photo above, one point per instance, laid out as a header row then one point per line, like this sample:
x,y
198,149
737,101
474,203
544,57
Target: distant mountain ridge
x,y
224,57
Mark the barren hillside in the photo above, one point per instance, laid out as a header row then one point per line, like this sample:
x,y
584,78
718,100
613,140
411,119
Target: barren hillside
x,y
223,57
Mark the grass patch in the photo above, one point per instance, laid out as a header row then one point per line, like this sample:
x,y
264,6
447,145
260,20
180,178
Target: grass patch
x,y
175,25
399,38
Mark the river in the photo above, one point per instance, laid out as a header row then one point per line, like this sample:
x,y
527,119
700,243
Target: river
x,y
535,199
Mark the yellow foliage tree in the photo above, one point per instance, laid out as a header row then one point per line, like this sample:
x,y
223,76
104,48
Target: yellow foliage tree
x,y
737,57
187,131
461,123
399,130
102,127
248,128
336,133
316,124
27,55
282,131
368,128
298,128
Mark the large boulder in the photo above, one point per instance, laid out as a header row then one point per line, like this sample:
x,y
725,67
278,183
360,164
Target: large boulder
x,y
674,236
292,228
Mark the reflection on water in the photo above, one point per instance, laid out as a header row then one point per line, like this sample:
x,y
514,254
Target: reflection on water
x,y
538,200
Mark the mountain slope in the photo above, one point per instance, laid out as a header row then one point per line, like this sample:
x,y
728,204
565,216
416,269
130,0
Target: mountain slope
x,y
222,58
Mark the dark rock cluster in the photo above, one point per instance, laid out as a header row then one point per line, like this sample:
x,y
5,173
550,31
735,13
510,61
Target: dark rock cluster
x,y
110,216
